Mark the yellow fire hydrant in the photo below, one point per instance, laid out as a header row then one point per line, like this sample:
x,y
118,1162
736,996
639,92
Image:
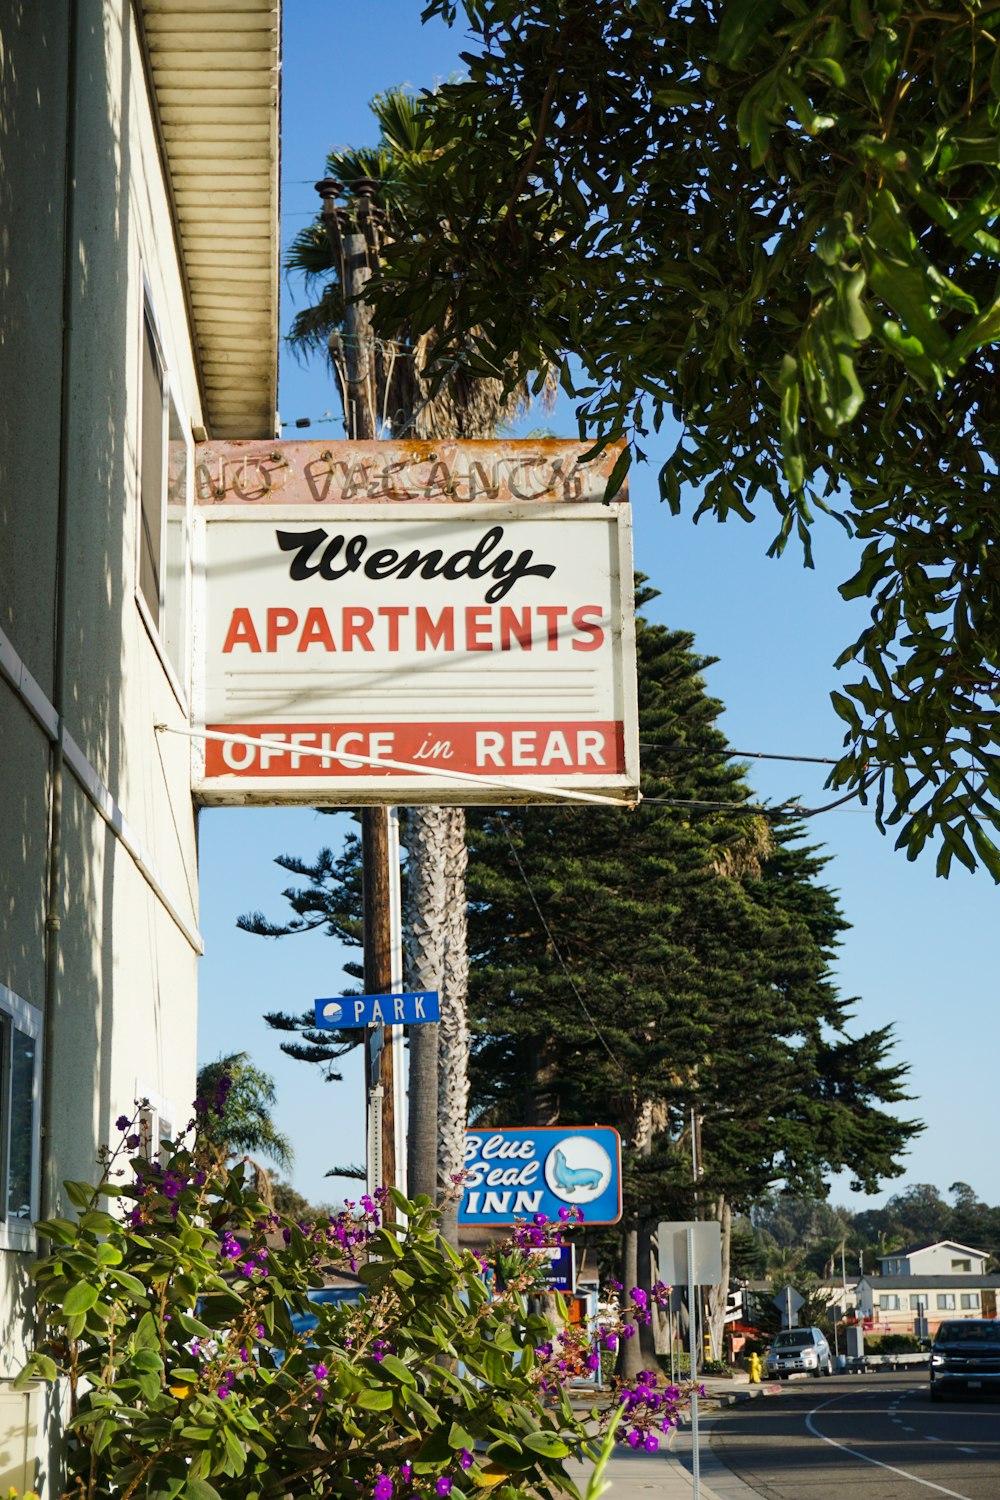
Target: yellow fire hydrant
x,y
754,1366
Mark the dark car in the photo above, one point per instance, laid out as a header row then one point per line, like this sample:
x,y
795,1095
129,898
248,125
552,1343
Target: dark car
x,y
965,1356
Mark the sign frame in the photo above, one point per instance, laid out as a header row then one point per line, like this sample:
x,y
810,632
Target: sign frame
x,y
525,747
502,1204
397,1008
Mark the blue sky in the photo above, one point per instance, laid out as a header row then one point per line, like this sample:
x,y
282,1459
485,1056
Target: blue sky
x,y
920,954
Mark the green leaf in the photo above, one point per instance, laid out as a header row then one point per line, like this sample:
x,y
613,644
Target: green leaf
x,y
200,1489
548,1444
80,1194
618,473
375,1400
459,1438
394,1366
130,1283
743,22
424,1409
193,1325
80,1298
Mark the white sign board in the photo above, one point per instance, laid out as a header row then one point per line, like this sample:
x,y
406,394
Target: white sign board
x,y
395,648
672,1252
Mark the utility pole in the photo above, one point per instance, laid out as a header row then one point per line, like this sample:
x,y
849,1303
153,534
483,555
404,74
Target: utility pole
x,y
354,235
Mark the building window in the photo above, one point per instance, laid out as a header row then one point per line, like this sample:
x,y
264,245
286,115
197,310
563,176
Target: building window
x,y
20,1088
970,1302
946,1301
961,1265
154,1125
164,507
888,1302
918,1302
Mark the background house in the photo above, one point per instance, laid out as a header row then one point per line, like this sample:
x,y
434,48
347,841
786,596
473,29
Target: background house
x,y
931,1282
138,310
943,1258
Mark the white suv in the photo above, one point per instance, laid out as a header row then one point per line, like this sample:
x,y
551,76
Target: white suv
x,y
799,1349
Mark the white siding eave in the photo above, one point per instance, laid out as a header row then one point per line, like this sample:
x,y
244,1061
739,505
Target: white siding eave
x,y
214,69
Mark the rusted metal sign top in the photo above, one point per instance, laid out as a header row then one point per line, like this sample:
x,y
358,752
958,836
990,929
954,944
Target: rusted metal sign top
x,y
304,473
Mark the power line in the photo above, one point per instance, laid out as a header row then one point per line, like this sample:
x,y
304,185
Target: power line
x,y
555,948
727,751
781,810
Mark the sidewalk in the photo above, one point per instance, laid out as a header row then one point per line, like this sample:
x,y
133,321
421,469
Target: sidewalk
x,y
666,1474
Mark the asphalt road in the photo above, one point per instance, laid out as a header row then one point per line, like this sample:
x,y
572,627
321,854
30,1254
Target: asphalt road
x,y
875,1437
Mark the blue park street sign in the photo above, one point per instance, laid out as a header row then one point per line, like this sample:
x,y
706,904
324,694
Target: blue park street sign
x,y
515,1174
378,1010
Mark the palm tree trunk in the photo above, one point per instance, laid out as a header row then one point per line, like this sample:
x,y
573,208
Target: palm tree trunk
x,y
425,952
453,1038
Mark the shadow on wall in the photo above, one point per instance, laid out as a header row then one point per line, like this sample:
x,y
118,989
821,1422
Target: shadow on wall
x,y
99,467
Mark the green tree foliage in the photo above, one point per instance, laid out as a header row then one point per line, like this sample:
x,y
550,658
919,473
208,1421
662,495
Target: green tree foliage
x,y
239,1121
774,224
631,970
808,1232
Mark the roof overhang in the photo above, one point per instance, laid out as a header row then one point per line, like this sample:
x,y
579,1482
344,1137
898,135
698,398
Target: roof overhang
x,y
214,69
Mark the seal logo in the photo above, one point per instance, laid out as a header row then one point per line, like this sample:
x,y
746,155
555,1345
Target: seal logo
x,y
577,1169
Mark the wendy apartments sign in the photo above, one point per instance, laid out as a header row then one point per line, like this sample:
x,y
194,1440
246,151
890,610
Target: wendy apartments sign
x,y
405,621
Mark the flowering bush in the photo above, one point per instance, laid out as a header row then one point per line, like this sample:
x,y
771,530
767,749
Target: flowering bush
x,y
171,1323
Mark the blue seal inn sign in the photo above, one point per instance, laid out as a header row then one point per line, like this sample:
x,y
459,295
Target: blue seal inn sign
x,y
515,1174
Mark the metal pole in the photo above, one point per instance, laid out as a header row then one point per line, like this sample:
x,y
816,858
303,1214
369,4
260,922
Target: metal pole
x,y
693,1336
399,1069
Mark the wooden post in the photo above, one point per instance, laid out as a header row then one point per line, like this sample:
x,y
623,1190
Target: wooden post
x,y
354,235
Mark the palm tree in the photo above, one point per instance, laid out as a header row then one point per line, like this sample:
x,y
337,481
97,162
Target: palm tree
x,y
407,400
235,1102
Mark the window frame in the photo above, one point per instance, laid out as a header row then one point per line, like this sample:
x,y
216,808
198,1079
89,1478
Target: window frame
x,y
19,1234
946,1302
179,681
155,1122
970,1302
888,1302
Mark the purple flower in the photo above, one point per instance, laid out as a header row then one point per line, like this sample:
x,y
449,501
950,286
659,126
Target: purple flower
x,y
123,1122
634,1438
172,1185
260,1330
565,1213
320,1371
593,1361
245,1356
610,1341
443,1486
628,1331
383,1488
465,1459
132,1142
406,1472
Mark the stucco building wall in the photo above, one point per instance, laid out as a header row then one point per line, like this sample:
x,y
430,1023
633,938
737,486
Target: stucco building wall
x,y
122,996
